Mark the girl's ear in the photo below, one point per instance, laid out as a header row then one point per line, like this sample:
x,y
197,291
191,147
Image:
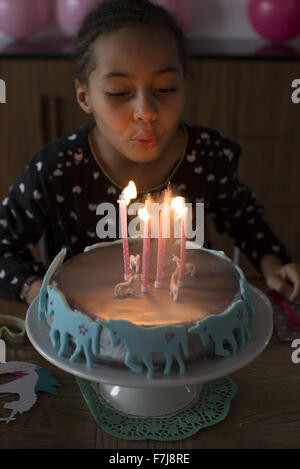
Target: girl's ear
x,y
83,97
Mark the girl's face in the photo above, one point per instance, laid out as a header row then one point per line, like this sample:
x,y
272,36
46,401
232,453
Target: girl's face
x,y
136,92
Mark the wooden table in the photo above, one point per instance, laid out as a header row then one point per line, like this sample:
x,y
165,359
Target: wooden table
x,y
264,414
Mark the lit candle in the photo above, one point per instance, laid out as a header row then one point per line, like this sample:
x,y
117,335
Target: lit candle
x,y
178,204
144,214
161,249
128,193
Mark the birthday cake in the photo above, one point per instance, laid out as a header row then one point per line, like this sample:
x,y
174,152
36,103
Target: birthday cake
x,y
96,316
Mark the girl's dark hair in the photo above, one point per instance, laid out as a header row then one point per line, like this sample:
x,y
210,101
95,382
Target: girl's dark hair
x,y
111,15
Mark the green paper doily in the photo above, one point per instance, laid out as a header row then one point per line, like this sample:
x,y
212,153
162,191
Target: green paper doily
x,y
212,407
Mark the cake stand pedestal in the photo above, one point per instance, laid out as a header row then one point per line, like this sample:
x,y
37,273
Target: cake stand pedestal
x,y
163,395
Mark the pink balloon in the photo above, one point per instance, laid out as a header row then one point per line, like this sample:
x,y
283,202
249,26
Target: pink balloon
x,y
277,20
21,19
71,13
180,9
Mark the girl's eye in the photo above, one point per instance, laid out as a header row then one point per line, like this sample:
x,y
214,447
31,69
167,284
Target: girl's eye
x,y
122,93
166,90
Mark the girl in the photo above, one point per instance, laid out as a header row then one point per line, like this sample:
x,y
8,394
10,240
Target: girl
x,y
130,76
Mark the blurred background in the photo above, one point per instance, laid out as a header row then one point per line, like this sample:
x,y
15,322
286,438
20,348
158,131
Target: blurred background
x,y
244,55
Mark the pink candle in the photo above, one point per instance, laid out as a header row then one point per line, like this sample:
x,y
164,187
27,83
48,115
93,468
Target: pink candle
x,y
123,214
162,242
146,244
182,247
160,254
128,193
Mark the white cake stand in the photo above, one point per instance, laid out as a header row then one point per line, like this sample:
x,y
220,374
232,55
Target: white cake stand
x,y
164,395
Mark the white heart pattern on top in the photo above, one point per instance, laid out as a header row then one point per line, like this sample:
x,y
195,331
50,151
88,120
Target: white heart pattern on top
x,y
72,137
58,172
211,177
227,152
3,223
74,215
191,158
91,234
36,194
198,169
29,214
59,198
224,180
111,190
77,190
78,156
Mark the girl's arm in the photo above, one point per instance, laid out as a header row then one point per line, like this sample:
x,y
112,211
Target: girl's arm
x,y
24,215
285,279
236,210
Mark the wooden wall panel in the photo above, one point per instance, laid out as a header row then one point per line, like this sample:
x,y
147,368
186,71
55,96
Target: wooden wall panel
x,y
264,105
211,94
57,90
271,167
19,119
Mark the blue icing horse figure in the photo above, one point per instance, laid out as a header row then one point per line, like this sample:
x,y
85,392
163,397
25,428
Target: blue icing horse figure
x,y
55,264
68,323
245,291
143,341
219,254
220,327
93,246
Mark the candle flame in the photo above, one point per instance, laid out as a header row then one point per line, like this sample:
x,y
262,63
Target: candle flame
x,y
167,197
178,205
143,214
129,192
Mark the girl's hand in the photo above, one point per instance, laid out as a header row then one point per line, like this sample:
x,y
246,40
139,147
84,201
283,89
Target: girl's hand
x,y
33,291
285,280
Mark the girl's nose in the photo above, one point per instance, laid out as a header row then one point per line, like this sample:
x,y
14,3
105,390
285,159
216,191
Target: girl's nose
x,y
145,108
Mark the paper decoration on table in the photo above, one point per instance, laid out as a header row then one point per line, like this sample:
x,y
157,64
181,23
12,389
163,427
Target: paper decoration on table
x,y
12,329
2,351
29,379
